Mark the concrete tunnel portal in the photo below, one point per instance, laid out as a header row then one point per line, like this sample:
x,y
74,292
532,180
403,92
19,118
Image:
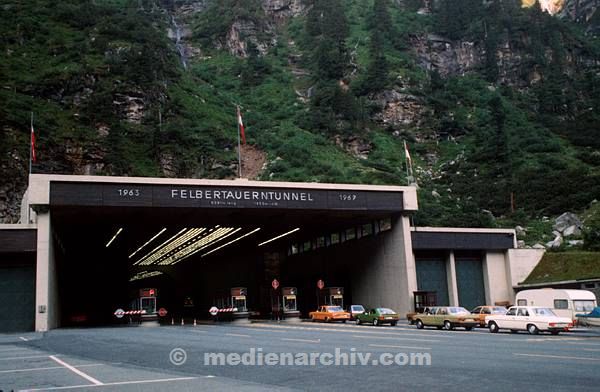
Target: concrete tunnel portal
x,y
192,241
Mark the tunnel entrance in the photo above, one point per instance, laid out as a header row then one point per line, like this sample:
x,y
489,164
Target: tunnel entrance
x,y
112,243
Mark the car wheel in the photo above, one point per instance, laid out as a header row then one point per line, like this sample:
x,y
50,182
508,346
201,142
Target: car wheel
x,y
393,323
343,321
420,324
493,327
357,321
375,322
448,325
554,332
532,329
468,328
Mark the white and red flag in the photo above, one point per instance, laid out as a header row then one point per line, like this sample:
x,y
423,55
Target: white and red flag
x,y
241,126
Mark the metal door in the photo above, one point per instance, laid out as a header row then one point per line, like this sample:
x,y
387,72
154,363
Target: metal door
x,y
17,299
431,276
469,279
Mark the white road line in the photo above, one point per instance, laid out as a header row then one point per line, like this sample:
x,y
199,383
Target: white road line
x,y
198,330
591,349
302,340
238,335
557,357
408,347
76,371
108,384
47,368
23,339
395,338
355,331
16,349
28,357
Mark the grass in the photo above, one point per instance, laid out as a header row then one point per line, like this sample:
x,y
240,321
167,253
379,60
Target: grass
x,y
561,266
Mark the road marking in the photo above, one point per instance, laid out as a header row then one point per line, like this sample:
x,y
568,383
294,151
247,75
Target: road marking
x,y
28,357
591,349
408,347
355,330
76,371
557,357
394,338
47,368
15,349
108,384
238,335
302,340
23,339
198,330
210,376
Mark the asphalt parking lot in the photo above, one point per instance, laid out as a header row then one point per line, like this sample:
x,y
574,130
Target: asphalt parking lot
x,y
174,358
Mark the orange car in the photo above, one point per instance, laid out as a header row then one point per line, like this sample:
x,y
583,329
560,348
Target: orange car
x,y
330,313
486,310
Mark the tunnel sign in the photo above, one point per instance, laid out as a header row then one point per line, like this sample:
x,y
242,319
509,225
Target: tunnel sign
x,y
275,284
320,284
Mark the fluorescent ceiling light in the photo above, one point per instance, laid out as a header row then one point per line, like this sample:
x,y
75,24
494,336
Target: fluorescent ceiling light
x,y
170,246
207,241
147,242
231,242
144,275
279,236
114,236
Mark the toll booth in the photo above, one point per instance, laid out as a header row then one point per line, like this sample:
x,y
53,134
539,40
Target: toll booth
x,y
290,303
424,299
334,296
239,302
146,301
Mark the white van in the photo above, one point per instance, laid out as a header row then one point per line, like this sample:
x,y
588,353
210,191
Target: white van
x,y
565,303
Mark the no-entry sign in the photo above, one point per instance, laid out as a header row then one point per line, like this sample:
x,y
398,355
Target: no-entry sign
x,y
275,284
320,284
162,312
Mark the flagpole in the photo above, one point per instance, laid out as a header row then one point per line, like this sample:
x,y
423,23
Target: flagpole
x,y
239,144
30,142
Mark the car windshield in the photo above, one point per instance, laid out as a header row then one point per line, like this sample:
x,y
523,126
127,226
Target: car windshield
x,y
498,310
457,310
386,311
335,309
584,305
357,308
543,312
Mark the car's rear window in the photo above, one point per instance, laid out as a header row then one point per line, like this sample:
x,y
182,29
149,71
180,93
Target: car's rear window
x,y
386,311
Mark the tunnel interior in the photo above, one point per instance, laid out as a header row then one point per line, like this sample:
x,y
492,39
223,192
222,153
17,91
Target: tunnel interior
x,y
192,257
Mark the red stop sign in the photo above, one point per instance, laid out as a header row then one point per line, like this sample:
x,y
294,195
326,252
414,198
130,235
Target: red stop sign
x,y
275,284
162,312
320,284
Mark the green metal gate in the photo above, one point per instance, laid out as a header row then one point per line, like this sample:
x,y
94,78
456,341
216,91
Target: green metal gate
x,y
17,299
469,279
431,276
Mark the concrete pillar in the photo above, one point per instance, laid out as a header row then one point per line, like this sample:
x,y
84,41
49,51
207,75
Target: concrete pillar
x,y
387,275
451,279
46,295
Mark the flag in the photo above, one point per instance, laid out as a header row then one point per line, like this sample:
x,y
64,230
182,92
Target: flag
x,y
33,158
241,126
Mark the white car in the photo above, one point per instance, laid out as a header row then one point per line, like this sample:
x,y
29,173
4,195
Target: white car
x,y
532,319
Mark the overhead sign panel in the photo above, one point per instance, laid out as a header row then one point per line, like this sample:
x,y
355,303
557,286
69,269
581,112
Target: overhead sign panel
x,y
146,195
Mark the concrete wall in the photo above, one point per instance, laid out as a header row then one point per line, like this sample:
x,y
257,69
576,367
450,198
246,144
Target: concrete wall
x,y
521,263
46,299
389,278
496,282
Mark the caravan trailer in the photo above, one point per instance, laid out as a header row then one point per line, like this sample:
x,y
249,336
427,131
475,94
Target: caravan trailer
x,y
565,303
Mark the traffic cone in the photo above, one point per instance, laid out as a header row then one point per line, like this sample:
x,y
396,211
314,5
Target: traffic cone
x,y
172,321
195,322
182,321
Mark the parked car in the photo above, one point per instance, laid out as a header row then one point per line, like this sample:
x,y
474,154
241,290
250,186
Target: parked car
x,y
410,316
329,313
532,319
564,303
355,310
486,310
447,317
378,316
